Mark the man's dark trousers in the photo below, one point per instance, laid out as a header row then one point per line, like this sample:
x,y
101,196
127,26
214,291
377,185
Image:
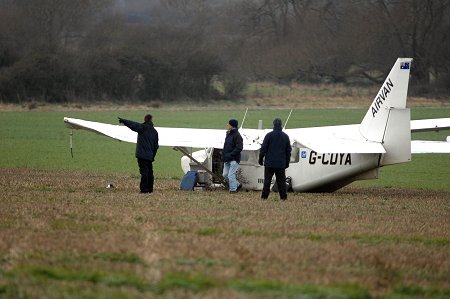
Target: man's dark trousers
x,y
280,175
146,171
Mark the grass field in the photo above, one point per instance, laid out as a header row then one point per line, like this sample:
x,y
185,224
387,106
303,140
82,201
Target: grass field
x,y
64,235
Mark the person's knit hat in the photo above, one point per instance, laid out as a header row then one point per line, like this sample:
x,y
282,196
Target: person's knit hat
x,y
277,122
233,123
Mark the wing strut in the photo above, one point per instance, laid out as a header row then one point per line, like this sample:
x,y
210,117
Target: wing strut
x,y
242,123
215,175
289,116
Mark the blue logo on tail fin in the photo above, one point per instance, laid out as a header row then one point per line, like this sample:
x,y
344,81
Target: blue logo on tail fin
x,y
404,65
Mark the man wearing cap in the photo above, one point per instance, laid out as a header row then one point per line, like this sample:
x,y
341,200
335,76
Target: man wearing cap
x,y
276,149
231,155
146,148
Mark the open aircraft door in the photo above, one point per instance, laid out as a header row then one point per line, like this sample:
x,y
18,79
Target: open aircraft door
x,y
207,162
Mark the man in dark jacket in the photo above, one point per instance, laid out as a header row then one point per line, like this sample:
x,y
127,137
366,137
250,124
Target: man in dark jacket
x,y
146,148
276,149
231,155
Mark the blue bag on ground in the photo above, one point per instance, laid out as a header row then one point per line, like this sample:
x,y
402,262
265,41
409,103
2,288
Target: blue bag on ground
x,y
189,181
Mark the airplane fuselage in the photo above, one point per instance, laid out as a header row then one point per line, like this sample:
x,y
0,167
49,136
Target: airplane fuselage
x,y
308,170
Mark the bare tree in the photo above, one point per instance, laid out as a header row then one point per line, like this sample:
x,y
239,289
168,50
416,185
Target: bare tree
x,y
52,23
418,28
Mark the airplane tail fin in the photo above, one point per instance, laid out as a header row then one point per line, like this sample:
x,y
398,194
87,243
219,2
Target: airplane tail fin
x,y
388,120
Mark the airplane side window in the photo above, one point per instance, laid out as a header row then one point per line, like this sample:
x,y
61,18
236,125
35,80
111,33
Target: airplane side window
x,y
249,157
244,156
295,155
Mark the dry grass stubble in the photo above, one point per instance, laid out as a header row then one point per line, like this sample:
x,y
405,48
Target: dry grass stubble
x,y
381,240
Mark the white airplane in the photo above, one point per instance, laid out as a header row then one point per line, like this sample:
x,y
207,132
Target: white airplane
x,y
323,159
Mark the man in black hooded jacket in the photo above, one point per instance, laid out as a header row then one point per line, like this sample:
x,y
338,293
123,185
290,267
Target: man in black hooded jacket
x,y
276,149
146,148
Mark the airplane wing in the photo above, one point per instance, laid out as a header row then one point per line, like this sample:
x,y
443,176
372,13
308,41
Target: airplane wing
x,y
424,125
329,139
334,139
183,137
426,146
121,133
430,147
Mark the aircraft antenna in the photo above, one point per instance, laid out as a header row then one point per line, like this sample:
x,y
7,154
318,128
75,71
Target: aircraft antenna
x,y
71,150
289,116
242,123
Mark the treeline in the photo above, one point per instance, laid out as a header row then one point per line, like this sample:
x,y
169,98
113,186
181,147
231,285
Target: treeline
x,y
144,50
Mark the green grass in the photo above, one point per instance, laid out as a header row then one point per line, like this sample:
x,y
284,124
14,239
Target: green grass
x,y
195,283
40,140
191,282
